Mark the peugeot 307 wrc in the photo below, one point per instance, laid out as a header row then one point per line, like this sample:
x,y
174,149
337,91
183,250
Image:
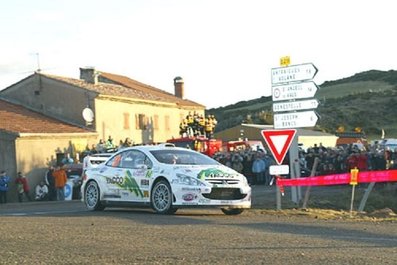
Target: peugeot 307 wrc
x,y
166,178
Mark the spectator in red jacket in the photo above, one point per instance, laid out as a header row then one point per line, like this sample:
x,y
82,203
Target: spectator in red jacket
x,y
22,187
362,161
352,161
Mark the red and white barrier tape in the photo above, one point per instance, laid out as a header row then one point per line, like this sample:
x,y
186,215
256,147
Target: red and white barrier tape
x,y
338,179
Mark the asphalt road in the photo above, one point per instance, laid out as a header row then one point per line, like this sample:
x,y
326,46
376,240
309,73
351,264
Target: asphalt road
x,y
66,233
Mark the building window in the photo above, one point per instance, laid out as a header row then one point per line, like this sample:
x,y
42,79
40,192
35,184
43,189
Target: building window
x,y
136,121
156,122
126,121
167,123
140,122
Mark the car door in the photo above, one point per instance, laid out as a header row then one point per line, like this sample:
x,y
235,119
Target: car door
x,y
112,177
136,176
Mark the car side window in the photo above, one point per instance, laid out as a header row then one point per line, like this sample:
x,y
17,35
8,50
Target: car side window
x,y
128,159
142,160
115,161
134,159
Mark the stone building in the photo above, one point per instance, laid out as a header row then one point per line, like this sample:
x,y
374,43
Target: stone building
x,y
120,107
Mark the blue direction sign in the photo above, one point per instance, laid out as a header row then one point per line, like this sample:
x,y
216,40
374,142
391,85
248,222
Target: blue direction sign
x,y
293,73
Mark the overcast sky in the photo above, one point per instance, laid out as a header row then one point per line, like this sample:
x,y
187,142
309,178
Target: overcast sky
x,y
223,49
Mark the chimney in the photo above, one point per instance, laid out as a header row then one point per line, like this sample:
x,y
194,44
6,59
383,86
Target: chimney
x,y
89,75
178,84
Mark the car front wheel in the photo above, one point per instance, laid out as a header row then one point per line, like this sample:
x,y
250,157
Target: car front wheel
x,y
161,198
92,197
234,211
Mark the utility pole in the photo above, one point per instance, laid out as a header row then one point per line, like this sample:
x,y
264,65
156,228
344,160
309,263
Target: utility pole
x,y
38,62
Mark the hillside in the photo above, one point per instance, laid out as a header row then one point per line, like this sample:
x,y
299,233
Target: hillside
x,y
367,100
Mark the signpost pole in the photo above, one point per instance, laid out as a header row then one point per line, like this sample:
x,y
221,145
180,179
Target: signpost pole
x,y
289,83
365,197
353,182
295,172
278,195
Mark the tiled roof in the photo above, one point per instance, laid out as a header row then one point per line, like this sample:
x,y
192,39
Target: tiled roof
x,y
133,84
126,88
105,88
17,119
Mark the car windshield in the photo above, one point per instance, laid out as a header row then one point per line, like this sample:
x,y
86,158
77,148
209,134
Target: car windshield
x,y
181,157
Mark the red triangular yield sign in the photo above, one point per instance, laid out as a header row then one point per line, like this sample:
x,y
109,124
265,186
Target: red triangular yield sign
x,y
279,142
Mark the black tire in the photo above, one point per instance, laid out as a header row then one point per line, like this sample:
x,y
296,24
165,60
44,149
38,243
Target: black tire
x,y
161,198
173,210
233,211
92,197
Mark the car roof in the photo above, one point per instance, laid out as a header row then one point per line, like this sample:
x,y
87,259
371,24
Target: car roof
x,y
149,148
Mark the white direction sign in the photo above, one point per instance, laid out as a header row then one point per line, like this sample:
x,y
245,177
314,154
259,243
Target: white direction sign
x,y
276,170
295,105
295,120
293,73
294,91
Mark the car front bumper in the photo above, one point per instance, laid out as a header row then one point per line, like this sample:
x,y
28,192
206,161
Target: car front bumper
x,y
229,196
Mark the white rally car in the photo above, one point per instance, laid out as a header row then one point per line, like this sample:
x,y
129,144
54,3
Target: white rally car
x,y
166,178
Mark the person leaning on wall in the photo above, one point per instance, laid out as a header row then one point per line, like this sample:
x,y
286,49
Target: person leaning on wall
x,y
22,187
4,183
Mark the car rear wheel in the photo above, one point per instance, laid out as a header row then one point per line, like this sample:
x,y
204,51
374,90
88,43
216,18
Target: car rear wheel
x,y
234,211
92,197
161,198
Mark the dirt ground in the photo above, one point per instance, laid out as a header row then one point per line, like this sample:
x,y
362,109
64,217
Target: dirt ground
x,y
382,199
205,237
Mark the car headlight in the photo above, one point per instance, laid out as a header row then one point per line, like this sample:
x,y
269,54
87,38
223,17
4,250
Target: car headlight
x,y
244,180
187,180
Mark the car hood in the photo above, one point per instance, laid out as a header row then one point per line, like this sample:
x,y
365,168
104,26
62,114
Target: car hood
x,y
208,172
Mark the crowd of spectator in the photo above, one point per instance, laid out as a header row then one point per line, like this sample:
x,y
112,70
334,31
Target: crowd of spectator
x,y
197,124
104,146
254,164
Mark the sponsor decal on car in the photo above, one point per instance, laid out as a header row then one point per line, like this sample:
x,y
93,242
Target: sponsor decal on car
x,y
131,185
189,197
191,189
213,173
189,203
206,201
146,193
139,173
144,183
149,173
114,180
